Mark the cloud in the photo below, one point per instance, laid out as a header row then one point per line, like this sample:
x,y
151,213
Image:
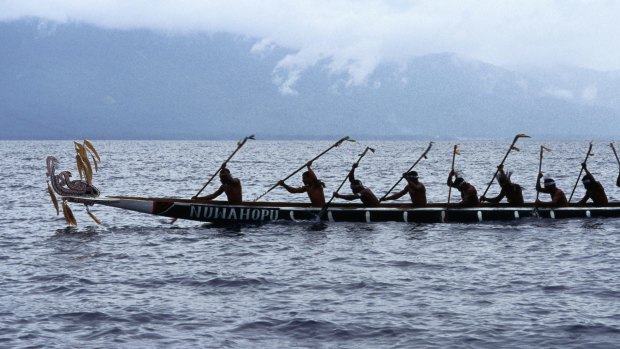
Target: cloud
x,y
352,37
559,93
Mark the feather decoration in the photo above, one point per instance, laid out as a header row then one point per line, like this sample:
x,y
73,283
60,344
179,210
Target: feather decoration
x,y
54,200
93,216
69,217
80,149
88,170
80,165
95,163
92,149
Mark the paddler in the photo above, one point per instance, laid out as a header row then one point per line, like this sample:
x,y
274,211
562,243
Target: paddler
x,y
558,198
416,190
618,180
469,195
367,197
312,186
594,189
230,186
513,192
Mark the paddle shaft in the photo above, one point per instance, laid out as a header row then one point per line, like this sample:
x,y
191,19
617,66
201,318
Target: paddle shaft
x,y
445,219
615,153
580,172
410,168
343,181
514,141
220,168
452,170
539,170
303,166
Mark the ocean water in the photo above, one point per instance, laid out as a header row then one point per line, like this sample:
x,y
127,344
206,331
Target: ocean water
x,y
137,281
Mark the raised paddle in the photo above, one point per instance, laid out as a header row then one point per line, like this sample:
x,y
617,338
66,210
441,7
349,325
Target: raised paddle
x,y
302,167
239,145
580,172
455,152
410,168
324,209
542,149
511,148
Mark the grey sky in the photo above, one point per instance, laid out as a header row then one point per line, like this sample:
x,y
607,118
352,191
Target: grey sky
x,y
353,37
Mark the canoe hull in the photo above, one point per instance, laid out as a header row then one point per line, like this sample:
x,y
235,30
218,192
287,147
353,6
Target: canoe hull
x,y
221,212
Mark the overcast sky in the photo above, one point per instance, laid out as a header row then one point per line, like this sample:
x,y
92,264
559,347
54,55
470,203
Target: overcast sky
x,y
353,36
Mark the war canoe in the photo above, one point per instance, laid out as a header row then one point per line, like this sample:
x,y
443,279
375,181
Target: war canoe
x,y
261,212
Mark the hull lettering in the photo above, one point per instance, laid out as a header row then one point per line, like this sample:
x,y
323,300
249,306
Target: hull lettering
x,y
233,214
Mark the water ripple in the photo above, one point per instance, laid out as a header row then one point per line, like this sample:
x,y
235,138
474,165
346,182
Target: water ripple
x,y
137,281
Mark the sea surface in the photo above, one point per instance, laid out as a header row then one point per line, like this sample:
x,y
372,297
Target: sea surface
x,y
137,281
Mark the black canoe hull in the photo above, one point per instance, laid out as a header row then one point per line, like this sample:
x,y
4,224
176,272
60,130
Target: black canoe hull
x,y
221,212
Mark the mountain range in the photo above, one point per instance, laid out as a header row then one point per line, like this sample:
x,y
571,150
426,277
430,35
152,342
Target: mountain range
x,y
74,81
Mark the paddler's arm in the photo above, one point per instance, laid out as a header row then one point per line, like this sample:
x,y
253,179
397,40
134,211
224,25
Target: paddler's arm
x,y
585,198
352,173
209,197
494,200
396,196
538,187
311,173
348,197
292,189
585,168
450,175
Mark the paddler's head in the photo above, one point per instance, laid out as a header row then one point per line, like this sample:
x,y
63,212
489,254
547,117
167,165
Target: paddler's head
x,y
503,179
549,183
225,176
306,178
413,176
357,186
587,181
458,182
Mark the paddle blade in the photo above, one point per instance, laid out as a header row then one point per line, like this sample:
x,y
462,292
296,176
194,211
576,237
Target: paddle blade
x,y
515,148
54,200
457,151
346,138
94,218
522,135
545,148
92,149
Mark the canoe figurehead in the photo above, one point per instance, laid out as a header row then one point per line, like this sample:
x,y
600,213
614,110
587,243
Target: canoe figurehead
x,y
64,186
